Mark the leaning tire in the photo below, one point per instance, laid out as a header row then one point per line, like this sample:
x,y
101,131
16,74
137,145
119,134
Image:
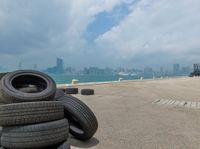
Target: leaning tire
x,y
65,145
71,90
87,92
11,82
83,123
35,136
30,112
59,93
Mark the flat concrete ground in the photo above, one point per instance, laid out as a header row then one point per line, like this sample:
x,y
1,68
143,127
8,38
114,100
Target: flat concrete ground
x,y
128,119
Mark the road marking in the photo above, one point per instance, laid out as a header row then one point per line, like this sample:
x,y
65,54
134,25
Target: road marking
x,y
169,102
188,105
198,105
181,103
165,102
193,104
157,100
178,103
161,101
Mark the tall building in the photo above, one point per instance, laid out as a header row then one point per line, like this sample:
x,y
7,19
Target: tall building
x,y
161,71
58,69
176,69
59,65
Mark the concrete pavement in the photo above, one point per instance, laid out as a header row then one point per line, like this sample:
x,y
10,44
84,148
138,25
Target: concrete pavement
x,y
129,120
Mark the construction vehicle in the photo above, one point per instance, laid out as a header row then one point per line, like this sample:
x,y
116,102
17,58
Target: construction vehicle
x,y
196,71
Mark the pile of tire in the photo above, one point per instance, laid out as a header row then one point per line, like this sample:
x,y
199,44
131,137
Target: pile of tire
x,y
35,114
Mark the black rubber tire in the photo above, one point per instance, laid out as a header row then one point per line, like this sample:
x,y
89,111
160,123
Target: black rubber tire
x,y
2,74
59,93
0,134
12,81
30,112
83,123
65,145
35,136
29,89
87,92
62,89
71,90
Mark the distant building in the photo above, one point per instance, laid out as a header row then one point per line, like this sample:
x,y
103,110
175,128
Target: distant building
x,y
58,69
69,71
59,65
93,71
176,69
148,72
161,71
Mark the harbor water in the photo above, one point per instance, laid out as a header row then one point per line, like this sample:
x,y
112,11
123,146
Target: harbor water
x,y
62,79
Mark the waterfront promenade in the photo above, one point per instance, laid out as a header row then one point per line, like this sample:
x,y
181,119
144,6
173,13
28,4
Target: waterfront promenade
x,y
129,118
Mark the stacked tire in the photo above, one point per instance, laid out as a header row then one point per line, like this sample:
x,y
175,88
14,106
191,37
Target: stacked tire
x,y
82,121
34,114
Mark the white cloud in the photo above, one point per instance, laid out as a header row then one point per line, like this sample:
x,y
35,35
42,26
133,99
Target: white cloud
x,y
47,28
39,31
155,26
82,13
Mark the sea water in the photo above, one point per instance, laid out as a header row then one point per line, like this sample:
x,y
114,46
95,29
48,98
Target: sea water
x,y
62,79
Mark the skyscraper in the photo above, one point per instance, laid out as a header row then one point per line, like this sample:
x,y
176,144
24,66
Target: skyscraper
x,y
161,71
59,65
176,69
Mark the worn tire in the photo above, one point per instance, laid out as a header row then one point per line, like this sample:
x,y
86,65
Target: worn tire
x,y
29,89
2,74
59,93
71,90
0,135
87,92
35,136
65,145
12,81
30,112
82,121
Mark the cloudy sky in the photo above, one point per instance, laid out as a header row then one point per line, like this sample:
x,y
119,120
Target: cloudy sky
x,y
127,33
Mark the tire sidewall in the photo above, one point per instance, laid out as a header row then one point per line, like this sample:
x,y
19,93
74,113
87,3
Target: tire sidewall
x,y
8,92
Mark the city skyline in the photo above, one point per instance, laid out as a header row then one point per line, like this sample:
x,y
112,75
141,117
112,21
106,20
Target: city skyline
x,y
59,67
